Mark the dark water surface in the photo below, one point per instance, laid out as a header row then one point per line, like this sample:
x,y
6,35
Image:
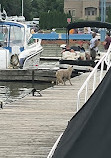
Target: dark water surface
x,y
11,91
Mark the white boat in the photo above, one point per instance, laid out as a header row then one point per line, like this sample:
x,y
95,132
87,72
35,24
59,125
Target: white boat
x,y
78,58
17,47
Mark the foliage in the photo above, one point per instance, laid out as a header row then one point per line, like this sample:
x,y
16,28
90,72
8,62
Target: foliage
x,y
48,5
50,12
108,19
14,7
53,20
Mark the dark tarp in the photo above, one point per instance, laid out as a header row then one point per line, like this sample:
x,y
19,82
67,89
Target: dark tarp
x,y
78,62
83,24
88,134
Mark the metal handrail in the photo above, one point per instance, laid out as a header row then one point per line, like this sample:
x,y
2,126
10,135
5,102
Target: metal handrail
x,y
54,147
105,59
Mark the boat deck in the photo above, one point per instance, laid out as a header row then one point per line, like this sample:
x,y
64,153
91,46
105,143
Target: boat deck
x,y
30,126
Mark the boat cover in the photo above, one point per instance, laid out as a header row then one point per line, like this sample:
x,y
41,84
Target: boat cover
x,y
88,134
82,24
78,62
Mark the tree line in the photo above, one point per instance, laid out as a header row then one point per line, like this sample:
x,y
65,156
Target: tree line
x,y
50,12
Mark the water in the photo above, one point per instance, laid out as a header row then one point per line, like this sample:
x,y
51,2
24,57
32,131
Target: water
x,y
11,91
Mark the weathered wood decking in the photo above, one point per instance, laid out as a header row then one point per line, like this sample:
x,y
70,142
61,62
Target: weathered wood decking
x,y
31,75
30,126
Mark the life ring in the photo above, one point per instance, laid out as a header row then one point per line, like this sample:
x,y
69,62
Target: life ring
x,y
14,60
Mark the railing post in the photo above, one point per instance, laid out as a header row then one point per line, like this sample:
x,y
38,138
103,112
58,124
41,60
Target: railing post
x,y
102,67
78,102
94,81
86,93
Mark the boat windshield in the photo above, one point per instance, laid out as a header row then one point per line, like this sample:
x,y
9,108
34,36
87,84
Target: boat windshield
x,y
16,36
3,35
11,35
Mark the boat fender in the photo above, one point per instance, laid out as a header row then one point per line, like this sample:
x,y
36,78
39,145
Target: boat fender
x,y
14,60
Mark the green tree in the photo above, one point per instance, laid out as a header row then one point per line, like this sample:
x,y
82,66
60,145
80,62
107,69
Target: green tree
x,y
108,19
53,20
28,10
50,12
40,6
14,7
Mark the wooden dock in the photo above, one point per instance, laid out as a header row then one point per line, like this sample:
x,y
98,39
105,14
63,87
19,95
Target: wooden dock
x,y
46,74
30,126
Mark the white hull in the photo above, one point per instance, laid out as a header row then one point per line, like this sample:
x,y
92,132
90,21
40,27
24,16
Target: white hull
x,y
18,49
33,60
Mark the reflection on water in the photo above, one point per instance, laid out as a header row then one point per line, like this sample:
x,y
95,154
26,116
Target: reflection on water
x,y
11,91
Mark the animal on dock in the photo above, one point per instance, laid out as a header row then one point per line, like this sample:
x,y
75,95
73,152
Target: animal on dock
x,y
64,74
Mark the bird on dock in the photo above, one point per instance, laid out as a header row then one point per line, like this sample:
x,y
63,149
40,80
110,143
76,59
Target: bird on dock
x,y
35,90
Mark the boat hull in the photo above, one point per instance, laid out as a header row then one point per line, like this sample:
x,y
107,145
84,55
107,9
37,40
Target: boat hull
x,y
78,62
78,65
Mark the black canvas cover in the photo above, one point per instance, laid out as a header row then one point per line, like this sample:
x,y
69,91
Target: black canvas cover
x,y
78,62
81,24
88,134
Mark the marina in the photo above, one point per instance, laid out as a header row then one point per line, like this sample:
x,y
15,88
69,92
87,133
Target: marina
x,y
55,79
23,57
31,125
45,71
33,121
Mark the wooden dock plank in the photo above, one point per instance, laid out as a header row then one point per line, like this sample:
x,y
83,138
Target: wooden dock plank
x,y
30,126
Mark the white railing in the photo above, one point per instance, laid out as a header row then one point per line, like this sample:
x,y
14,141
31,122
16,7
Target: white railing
x,y
104,60
54,147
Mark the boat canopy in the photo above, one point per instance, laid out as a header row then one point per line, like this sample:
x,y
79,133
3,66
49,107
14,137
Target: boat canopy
x,y
82,24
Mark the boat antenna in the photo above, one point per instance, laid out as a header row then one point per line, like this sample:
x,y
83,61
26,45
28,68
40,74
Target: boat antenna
x,y
22,8
0,13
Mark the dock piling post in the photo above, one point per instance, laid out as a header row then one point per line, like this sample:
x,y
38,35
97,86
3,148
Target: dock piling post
x,y
33,78
1,105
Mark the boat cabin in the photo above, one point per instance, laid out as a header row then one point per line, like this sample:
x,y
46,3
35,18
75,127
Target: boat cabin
x,y
17,44
13,35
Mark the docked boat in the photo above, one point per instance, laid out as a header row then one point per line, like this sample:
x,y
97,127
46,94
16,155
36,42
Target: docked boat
x,y
75,56
86,132
79,57
17,47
